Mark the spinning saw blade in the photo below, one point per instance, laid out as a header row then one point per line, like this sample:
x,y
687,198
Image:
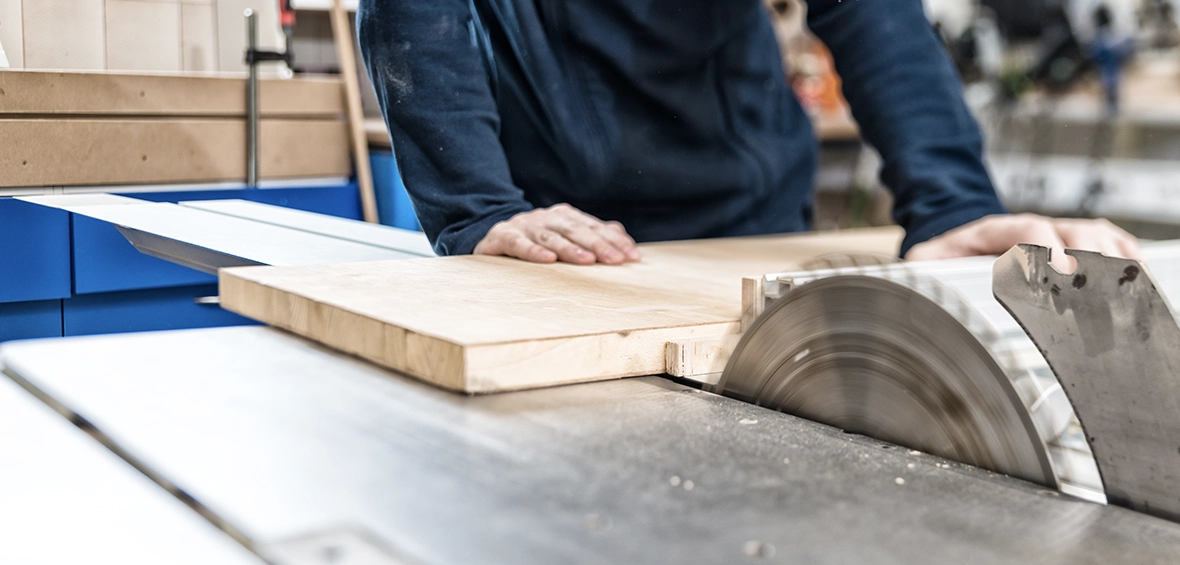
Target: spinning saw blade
x,y
878,358
922,355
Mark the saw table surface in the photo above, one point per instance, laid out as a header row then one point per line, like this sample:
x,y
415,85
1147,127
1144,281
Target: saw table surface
x,y
64,498
284,440
489,324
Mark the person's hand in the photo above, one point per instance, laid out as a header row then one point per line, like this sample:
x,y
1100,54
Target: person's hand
x,y
994,235
563,232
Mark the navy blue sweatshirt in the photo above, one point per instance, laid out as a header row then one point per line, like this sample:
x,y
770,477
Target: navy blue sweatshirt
x,y
672,117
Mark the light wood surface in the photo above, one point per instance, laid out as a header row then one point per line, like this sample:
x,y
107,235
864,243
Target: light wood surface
x,y
703,359
342,35
126,151
488,324
125,94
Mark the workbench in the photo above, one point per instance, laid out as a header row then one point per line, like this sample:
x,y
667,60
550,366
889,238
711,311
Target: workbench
x,y
306,452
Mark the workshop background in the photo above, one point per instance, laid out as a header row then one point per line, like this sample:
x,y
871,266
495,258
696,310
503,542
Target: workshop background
x,y
341,395
1054,145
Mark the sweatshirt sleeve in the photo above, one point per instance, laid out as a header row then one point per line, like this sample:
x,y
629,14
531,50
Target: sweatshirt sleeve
x,y
425,62
908,101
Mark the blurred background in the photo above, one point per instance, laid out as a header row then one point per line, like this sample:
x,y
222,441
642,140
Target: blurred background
x,y
1079,100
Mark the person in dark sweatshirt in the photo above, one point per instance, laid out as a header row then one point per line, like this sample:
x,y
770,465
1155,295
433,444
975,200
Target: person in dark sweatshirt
x,y
570,129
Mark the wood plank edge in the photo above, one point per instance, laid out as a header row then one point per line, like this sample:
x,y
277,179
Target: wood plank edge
x,y
443,365
531,364
697,357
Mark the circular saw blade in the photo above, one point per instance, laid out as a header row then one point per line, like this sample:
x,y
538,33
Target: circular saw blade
x,y
876,358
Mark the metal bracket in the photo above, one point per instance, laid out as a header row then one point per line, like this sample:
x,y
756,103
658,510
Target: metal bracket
x,y
254,57
1111,338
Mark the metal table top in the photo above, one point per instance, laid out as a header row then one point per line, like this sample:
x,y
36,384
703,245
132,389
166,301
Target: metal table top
x,y
283,439
64,498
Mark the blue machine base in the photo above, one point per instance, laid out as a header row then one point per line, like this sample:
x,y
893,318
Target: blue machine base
x,y
146,310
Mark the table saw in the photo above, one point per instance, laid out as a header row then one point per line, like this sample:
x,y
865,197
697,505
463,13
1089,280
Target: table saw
x,y
348,432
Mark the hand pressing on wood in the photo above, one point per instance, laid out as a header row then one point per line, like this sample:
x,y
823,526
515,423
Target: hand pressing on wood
x,y
560,232
994,235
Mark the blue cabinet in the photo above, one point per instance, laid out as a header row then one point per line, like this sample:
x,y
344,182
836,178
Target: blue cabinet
x,y
145,310
28,320
104,261
393,203
62,274
34,252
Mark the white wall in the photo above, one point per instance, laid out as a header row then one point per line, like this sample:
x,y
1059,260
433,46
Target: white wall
x,y
193,36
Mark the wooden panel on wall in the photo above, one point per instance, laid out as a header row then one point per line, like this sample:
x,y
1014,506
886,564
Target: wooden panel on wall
x,y
142,35
64,34
198,38
41,92
487,324
129,151
11,36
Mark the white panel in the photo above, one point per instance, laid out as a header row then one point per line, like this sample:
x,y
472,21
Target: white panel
x,y
322,4
143,35
231,32
64,34
11,38
198,38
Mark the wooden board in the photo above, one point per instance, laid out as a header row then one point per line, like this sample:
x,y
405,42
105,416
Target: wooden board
x,y
489,324
128,151
123,94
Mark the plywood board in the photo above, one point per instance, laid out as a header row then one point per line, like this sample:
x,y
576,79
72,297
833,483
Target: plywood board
x,y
64,34
126,151
128,94
487,324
